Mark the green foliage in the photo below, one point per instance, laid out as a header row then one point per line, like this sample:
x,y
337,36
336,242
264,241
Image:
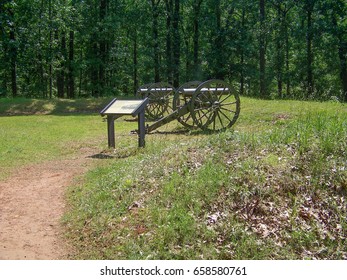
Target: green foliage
x,y
99,48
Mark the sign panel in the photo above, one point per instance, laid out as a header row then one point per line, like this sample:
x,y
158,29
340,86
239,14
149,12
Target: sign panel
x,y
117,108
123,107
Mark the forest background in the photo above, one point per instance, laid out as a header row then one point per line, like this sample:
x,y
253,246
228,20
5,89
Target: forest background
x,y
80,48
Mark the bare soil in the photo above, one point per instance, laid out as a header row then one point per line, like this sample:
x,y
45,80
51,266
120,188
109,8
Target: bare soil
x,y
32,203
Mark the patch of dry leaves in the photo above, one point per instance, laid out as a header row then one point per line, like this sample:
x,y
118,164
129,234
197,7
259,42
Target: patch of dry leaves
x,y
287,205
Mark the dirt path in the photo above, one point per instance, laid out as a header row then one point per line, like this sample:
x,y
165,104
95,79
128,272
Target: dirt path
x,y
31,205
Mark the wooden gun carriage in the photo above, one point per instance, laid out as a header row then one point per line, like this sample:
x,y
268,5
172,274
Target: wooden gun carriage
x,y
212,105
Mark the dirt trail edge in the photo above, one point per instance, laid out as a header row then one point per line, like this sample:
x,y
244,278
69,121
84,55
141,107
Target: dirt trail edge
x,y
31,206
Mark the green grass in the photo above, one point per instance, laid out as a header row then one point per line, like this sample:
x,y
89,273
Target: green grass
x,y
31,139
33,131
272,187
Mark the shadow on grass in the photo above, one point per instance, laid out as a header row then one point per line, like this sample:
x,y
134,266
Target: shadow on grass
x,y
101,156
184,131
118,153
25,107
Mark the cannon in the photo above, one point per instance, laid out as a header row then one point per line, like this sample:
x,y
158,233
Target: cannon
x,y
212,105
159,99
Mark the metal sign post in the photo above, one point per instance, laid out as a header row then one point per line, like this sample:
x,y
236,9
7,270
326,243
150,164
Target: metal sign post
x,y
118,108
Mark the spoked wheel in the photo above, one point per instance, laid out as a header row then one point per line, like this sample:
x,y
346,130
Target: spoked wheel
x,y
160,100
215,106
181,98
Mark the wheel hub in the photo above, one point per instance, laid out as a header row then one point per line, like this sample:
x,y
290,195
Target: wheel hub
x,y
216,105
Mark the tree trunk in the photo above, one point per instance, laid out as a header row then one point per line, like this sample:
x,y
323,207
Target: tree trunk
x,y
242,75
188,70
80,78
309,37
342,52
50,71
155,14
102,47
196,35
43,85
242,55
94,70
169,55
262,50
176,44
135,63
71,81
187,54
13,55
279,51
61,70
218,52
13,62
343,67
287,60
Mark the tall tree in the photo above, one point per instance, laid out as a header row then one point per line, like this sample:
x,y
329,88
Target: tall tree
x,y
340,31
176,43
10,44
282,8
71,79
218,40
155,15
308,8
71,57
196,37
169,35
241,49
262,49
50,56
61,69
102,46
13,57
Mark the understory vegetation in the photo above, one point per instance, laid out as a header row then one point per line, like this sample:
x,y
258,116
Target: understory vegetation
x,y
273,187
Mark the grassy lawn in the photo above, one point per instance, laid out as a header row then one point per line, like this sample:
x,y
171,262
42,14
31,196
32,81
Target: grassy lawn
x,y
36,130
272,187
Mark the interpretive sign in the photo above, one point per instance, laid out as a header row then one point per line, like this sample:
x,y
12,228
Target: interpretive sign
x,y
118,108
123,107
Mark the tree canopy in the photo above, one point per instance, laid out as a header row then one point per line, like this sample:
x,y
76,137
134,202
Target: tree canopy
x,y
77,48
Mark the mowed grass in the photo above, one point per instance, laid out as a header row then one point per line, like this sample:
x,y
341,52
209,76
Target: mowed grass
x,y
25,106
33,131
272,187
